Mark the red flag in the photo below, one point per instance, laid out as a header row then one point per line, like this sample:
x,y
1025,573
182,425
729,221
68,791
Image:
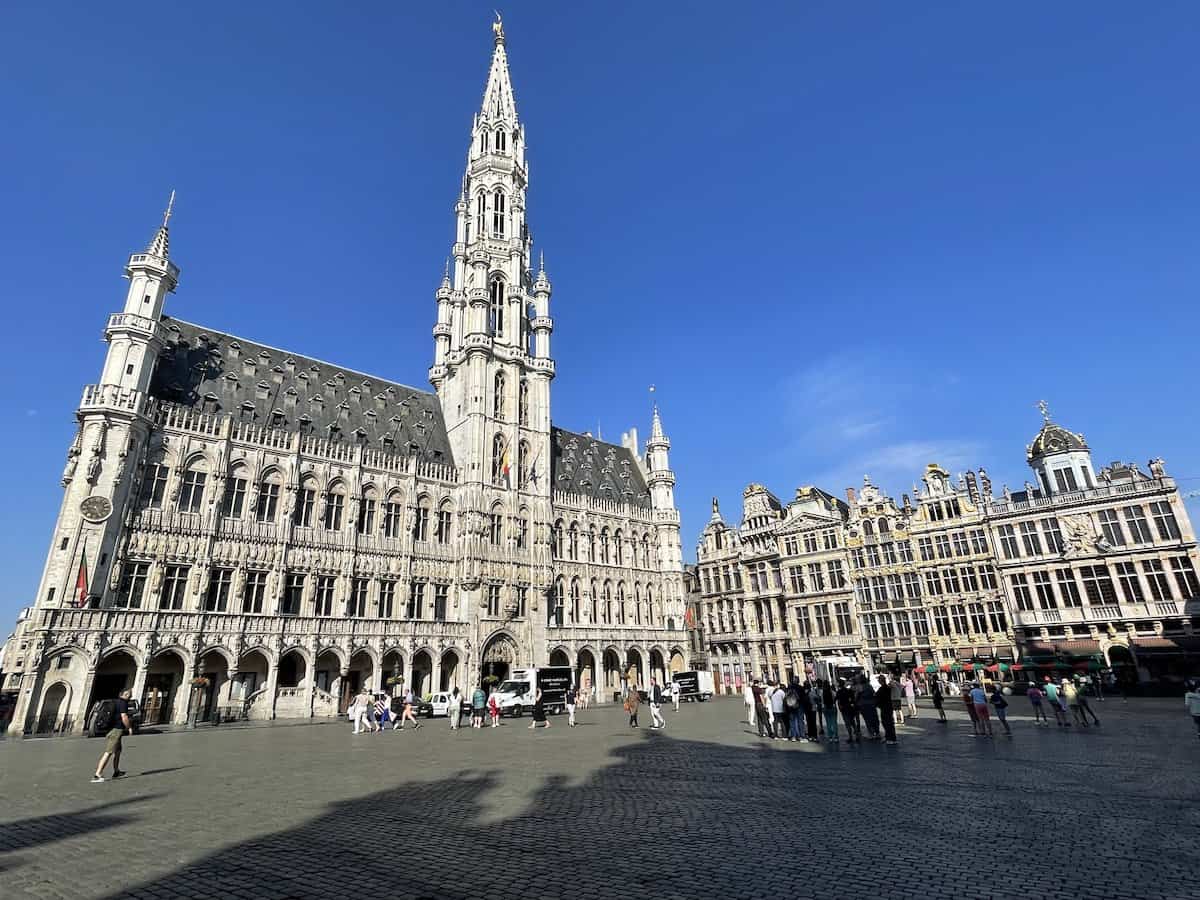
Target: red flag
x,y
81,583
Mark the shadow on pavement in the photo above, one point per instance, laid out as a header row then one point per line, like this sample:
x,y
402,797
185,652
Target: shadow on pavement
x,y
673,818
33,832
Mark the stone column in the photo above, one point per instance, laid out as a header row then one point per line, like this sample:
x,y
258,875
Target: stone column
x,y
81,702
435,674
272,688
138,688
24,699
183,696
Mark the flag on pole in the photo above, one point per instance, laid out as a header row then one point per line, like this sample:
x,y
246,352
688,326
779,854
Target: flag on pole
x,y
81,582
505,467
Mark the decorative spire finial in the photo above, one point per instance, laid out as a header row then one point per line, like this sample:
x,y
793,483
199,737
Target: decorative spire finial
x,y
1044,409
498,28
542,264
170,209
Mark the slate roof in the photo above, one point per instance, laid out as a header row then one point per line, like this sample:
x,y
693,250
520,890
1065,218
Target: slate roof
x,y
583,465
217,372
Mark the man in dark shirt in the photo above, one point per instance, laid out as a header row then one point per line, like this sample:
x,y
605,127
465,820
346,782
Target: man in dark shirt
x,y
112,744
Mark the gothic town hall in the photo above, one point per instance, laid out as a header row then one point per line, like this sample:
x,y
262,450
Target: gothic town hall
x,y
253,532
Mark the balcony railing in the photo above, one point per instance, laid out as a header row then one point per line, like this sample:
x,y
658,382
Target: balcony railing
x,y
1103,492
1098,614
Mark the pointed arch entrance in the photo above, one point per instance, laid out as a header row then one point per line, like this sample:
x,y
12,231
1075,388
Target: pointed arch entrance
x,y
498,659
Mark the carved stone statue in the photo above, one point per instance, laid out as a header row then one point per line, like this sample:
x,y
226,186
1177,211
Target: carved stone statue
x,y
72,459
1158,468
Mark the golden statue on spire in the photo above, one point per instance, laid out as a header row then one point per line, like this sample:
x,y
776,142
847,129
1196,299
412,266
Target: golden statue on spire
x,y
498,28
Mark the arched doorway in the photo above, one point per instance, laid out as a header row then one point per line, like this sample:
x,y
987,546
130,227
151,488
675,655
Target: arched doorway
x,y
634,671
1124,665
585,673
358,676
114,674
55,702
559,658
292,670
422,673
612,673
499,657
251,678
393,672
449,671
215,668
678,664
163,681
658,666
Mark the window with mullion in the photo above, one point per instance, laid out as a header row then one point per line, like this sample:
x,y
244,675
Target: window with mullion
x,y
1164,520
1131,587
174,588
1139,528
1110,524
191,491
1185,576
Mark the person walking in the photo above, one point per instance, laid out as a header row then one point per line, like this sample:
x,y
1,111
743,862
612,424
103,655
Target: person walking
x,y
121,723
656,696
539,712
493,707
408,715
910,696
363,721
1000,704
969,703
570,698
849,710
761,716
886,705
791,703
939,700
1035,695
631,706
867,708
779,714
675,694
829,708
897,701
382,712
454,710
1085,708
748,697
1070,698
478,705
1191,700
980,701
1055,701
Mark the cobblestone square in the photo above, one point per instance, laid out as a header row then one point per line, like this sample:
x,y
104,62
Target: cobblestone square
x,y
702,809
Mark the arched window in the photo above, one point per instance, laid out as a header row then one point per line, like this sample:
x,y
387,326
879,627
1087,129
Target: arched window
x,y
619,551
498,404
420,530
594,597
480,214
335,507
443,530
574,601
608,603
591,544
573,541
499,460
523,462
191,487
268,497
558,539
483,141
604,554
366,511
883,526
496,525
621,602
496,316
522,528
526,323
637,602
555,613
501,140
868,527
234,502
650,604
393,514
499,214
523,403
645,551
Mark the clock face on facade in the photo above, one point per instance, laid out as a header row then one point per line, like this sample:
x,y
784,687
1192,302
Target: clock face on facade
x,y
96,508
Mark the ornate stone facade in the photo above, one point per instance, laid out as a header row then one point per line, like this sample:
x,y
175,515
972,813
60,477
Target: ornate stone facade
x,y
250,531
1072,569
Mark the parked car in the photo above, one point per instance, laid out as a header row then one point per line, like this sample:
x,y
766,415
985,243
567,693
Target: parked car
x,y
438,704
102,717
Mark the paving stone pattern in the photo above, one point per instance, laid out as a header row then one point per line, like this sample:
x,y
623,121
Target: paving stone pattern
x,y
703,809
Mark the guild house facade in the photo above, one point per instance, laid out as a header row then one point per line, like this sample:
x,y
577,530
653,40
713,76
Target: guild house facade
x,y
249,531
1077,569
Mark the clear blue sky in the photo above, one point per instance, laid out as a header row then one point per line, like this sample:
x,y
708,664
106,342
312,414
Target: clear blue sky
x,y
840,238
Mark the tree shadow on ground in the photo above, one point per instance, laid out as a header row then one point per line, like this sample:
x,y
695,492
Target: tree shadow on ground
x,y
671,818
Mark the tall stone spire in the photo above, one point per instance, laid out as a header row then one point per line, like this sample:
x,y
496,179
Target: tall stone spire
x,y
498,101
160,244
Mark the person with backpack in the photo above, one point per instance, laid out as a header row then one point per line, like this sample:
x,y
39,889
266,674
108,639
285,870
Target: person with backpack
x,y
885,706
779,713
119,723
866,706
791,702
478,703
808,704
1055,701
1085,708
382,712
830,710
1000,704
